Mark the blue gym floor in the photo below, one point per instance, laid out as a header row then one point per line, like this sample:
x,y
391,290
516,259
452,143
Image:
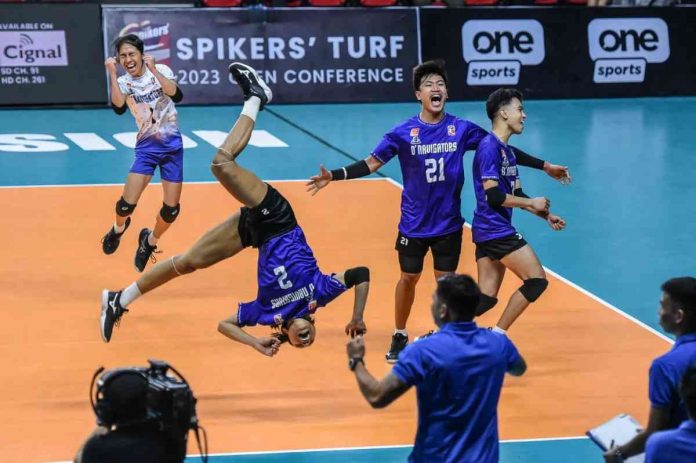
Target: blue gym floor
x,y
629,210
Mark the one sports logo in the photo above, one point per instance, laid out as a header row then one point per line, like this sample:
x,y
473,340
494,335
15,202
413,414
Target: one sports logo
x,y
497,49
622,47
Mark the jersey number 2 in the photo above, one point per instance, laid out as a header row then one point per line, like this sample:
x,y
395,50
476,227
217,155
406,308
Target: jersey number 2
x,y
431,170
282,277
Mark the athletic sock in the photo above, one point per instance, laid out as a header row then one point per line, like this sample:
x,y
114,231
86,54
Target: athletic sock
x,y
402,332
130,294
120,229
152,239
251,107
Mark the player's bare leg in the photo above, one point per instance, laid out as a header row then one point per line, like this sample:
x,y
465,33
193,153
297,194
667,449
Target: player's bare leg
x,y
490,277
525,264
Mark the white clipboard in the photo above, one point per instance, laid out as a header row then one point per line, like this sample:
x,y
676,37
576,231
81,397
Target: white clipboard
x,y
617,431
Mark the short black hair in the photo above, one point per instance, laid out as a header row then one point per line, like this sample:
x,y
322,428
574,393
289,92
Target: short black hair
x,y
130,39
687,390
461,295
682,291
436,66
500,98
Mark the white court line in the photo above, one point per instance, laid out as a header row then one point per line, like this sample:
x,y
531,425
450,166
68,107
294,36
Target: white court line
x,y
375,447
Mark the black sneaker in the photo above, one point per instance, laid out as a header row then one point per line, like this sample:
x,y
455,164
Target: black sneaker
x,y
251,83
112,239
399,342
111,313
145,251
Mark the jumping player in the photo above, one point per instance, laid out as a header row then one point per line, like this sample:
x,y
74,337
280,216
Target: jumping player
x,y
498,189
430,147
150,91
291,286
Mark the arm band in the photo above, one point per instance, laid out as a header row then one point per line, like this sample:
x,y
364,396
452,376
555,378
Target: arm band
x,y
495,197
355,276
520,194
119,109
178,96
355,170
528,160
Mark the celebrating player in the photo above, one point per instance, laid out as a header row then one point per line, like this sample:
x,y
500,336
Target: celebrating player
x,y
150,91
291,286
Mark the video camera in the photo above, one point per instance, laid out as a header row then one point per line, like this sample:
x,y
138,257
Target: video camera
x,y
166,402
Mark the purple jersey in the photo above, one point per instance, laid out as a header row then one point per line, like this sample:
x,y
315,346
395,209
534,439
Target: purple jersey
x,y
431,158
290,282
494,160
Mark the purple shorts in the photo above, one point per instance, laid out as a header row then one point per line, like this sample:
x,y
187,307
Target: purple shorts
x,y
171,164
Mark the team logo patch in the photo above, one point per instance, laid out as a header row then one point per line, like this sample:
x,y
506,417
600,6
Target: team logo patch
x,y
505,159
414,136
278,319
451,130
312,306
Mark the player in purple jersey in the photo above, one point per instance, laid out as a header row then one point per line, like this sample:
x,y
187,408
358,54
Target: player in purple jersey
x,y
150,91
291,286
430,147
498,189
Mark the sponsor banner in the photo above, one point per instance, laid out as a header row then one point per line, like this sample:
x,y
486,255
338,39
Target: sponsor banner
x,y
305,55
50,54
563,52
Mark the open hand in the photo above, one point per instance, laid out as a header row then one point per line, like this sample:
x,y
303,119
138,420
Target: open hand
x,y
317,182
560,173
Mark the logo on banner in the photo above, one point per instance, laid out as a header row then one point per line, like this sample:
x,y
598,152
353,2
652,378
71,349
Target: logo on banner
x,y
496,50
155,37
622,47
33,48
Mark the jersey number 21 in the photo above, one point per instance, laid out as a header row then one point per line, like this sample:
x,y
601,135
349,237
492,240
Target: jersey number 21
x,y
435,170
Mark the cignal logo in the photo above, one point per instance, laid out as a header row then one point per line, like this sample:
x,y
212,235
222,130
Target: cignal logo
x,y
155,39
496,50
622,47
33,48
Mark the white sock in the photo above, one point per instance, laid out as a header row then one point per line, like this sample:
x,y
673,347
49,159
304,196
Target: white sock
x,y
251,107
152,239
497,329
120,229
404,332
130,294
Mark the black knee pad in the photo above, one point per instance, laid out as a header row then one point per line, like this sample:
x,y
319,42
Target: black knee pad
x,y
123,208
357,275
169,213
532,288
485,304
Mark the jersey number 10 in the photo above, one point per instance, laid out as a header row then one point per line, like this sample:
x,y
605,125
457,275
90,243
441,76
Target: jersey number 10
x,y
435,170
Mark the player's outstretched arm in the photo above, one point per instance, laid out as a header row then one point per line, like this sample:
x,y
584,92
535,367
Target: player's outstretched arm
x,y
378,394
266,345
358,277
356,170
560,173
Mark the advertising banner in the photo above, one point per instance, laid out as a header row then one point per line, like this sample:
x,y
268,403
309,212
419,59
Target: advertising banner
x,y
564,52
305,55
51,54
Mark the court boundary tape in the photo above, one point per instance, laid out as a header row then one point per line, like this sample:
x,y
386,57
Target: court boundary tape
x,y
400,186
349,449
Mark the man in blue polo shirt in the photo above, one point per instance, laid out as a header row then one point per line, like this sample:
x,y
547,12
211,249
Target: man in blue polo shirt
x,y
458,374
667,410
678,445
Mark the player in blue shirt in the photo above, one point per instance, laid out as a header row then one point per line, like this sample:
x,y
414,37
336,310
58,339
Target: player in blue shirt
x,y
678,445
290,285
150,91
430,148
498,189
667,410
458,374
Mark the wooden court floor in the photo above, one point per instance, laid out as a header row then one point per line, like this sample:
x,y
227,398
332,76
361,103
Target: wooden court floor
x,y
586,362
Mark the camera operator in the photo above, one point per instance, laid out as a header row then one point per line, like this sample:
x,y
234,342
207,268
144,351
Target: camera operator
x,y
143,416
